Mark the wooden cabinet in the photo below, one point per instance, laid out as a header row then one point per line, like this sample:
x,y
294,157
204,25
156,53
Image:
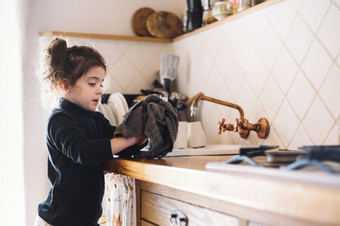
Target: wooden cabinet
x,y
161,210
239,195
161,205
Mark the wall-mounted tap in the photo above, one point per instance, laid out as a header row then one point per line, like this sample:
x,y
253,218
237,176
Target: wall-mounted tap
x,y
241,125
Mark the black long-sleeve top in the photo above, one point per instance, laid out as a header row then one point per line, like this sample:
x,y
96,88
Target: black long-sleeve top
x,y
78,142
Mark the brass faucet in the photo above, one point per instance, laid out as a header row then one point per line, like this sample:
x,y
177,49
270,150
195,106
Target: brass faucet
x,y
241,125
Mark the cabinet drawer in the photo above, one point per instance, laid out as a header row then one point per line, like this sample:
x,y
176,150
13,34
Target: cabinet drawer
x,y
157,209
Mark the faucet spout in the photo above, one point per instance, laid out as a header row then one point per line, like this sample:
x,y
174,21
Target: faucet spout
x,y
194,105
242,126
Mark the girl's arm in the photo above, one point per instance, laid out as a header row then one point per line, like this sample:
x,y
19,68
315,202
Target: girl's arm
x,y
120,143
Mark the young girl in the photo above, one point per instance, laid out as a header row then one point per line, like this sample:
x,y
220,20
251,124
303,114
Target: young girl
x,y
79,140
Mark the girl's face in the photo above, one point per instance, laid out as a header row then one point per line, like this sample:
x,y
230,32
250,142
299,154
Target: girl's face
x,y
87,91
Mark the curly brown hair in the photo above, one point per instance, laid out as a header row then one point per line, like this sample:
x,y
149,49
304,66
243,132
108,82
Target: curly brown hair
x,y
69,64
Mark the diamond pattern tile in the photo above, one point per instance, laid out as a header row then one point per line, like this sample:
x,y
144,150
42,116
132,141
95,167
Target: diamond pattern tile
x,y
140,52
329,32
330,91
300,138
285,69
275,17
269,47
111,53
257,75
124,73
313,12
296,4
301,95
206,64
245,54
299,39
281,63
233,33
316,64
214,83
246,99
255,26
286,123
318,122
234,79
224,59
337,3
271,98
333,137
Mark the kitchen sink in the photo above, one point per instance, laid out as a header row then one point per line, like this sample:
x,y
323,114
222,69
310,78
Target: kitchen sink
x,y
210,149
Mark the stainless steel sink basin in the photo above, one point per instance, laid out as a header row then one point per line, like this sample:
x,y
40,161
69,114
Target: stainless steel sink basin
x,y
210,149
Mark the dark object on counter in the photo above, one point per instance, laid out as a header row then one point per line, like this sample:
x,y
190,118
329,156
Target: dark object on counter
x,y
246,153
139,21
156,85
315,157
155,118
164,24
148,92
128,97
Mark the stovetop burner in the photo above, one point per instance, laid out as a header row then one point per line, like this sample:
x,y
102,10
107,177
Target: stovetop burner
x,y
247,153
315,157
309,156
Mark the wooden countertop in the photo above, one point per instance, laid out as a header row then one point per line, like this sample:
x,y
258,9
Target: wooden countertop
x,y
304,195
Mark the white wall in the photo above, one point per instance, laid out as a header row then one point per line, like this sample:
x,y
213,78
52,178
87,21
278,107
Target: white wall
x,y
104,16
12,191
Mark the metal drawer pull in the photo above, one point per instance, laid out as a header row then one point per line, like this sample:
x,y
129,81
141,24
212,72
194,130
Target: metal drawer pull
x,y
178,218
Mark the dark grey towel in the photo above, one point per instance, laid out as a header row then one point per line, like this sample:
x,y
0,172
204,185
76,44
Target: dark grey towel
x,y
155,118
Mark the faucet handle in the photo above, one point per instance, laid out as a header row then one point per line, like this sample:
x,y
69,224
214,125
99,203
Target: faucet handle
x,y
221,126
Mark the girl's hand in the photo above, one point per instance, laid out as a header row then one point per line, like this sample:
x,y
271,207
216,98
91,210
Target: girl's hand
x,y
141,139
120,143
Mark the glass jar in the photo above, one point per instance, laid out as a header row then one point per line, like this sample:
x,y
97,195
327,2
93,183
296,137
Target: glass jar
x,y
222,9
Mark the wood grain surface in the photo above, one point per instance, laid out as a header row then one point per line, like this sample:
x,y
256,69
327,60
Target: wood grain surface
x,y
139,21
164,24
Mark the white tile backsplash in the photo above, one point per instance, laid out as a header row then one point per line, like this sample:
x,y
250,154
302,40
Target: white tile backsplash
x,y
286,123
316,64
271,98
270,47
329,32
284,70
301,95
313,12
330,91
281,18
281,62
318,122
299,39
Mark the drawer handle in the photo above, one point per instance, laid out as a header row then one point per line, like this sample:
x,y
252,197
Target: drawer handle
x,y
178,218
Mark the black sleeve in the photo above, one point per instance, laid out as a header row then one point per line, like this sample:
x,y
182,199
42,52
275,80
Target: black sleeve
x,y
105,126
65,135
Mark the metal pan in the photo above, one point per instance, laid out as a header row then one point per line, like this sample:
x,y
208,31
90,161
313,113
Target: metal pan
x,y
283,156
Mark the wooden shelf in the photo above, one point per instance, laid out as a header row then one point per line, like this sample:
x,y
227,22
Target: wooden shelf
x,y
160,40
105,36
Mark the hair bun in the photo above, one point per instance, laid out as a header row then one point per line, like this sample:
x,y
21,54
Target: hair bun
x,y
57,51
